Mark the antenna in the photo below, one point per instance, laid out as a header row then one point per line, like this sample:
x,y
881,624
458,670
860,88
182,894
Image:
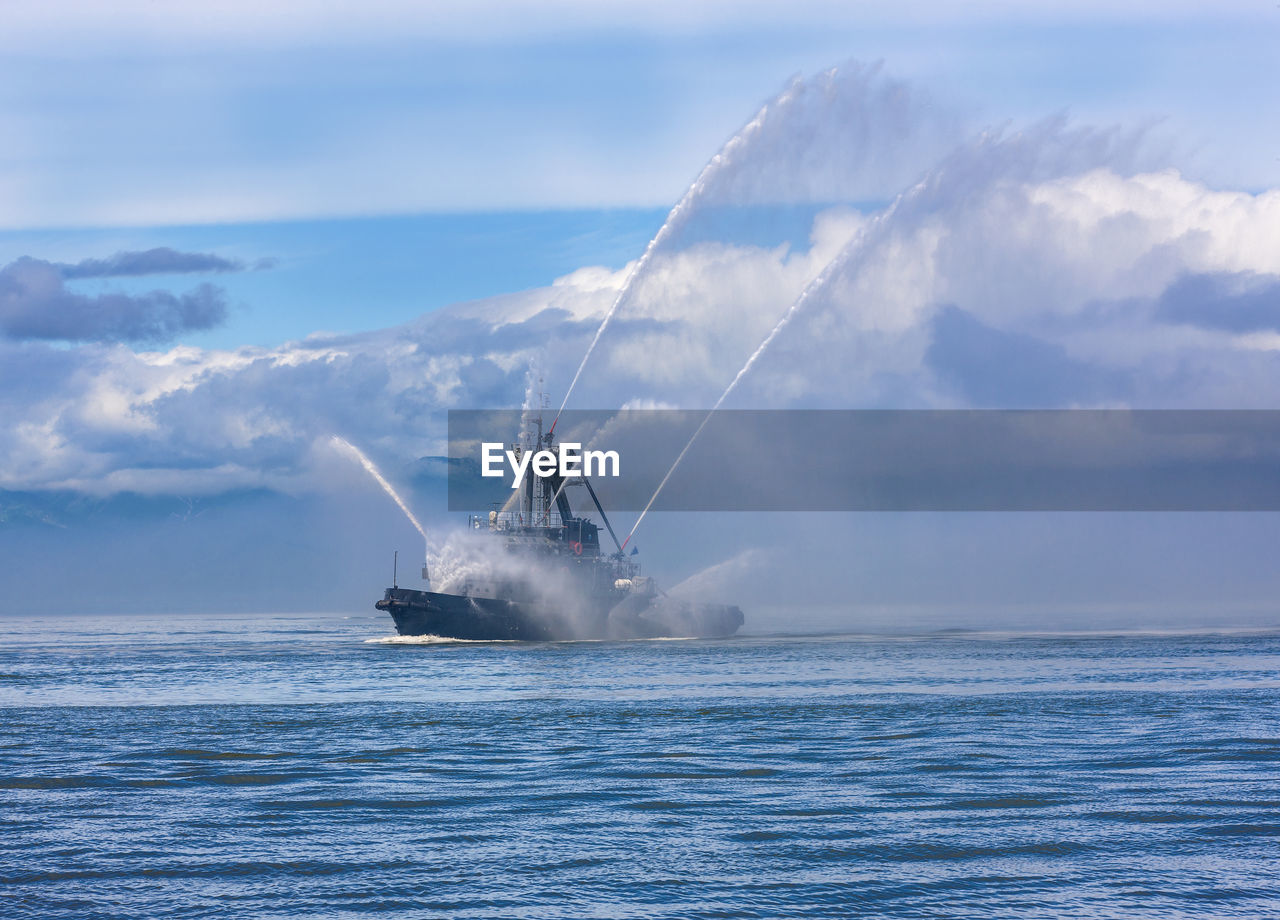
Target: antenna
x,y
395,567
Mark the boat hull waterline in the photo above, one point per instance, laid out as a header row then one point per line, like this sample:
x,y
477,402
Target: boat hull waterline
x,y
457,616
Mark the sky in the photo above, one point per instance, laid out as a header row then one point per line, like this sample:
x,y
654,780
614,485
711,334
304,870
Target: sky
x,y
230,232
240,128
144,114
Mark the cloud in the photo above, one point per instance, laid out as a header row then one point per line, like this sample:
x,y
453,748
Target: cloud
x,y
1237,302
159,261
1052,265
34,304
1029,232
991,367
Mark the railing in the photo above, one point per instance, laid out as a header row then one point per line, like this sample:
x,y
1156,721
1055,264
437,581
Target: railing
x,y
511,520
516,523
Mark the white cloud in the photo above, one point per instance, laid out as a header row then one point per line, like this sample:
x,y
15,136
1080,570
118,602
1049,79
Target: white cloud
x,y
1030,266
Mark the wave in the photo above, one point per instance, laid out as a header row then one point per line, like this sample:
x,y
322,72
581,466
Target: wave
x,y
433,640
446,640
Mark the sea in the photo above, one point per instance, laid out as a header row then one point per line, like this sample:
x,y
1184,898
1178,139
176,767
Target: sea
x,y
295,765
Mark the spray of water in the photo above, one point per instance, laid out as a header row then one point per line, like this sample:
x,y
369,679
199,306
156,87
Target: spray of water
x,y
921,191
810,289
725,158
724,578
889,97
373,471
471,562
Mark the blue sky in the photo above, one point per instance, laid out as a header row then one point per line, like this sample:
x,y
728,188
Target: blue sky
x,y
171,125
357,273
234,128
248,131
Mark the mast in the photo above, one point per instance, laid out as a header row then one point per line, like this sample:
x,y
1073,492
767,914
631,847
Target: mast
x,y
604,517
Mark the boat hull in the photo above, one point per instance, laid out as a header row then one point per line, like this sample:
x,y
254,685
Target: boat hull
x,y
460,616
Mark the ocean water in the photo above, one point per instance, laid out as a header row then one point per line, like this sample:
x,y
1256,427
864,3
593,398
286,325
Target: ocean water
x,y
299,766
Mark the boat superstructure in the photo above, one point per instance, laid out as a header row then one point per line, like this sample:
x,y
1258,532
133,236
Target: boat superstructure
x,y
548,576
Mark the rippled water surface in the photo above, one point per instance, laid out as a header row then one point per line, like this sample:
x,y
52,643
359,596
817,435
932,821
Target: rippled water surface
x,y
286,766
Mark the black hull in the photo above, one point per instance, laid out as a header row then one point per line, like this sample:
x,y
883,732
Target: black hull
x,y
458,616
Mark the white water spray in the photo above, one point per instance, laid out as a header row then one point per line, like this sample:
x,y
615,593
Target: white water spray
x,y
373,471
728,156
813,286
677,216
